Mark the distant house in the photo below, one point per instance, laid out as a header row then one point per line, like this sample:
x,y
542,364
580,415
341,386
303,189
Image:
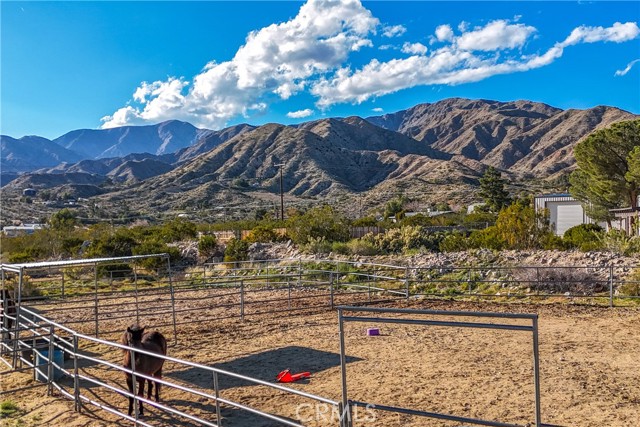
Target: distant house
x,y
30,192
623,219
564,211
19,230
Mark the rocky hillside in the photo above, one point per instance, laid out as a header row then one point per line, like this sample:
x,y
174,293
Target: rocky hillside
x,y
524,137
32,152
322,158
431,153
166,137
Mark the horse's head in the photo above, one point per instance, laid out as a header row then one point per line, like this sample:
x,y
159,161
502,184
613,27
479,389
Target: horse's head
x,y
135,333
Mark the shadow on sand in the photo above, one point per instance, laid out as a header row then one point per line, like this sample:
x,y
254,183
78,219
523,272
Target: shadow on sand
x,y
264,366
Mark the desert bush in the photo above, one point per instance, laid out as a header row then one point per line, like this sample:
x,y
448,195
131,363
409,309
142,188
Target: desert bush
x,y
403,239
207,245
489,238
178,229
262,234
480,217
586,237
631,284
361,247
560,280
454,242
71,245
121,243
236,250
368,221
151,246
318,223
22,256
317,245
519,227
340,248
619,243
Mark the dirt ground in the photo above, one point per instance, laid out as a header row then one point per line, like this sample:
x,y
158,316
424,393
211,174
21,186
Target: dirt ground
x,y
589,361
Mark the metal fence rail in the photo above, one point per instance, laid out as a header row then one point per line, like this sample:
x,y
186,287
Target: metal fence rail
x,y
380,318
94,299
54,335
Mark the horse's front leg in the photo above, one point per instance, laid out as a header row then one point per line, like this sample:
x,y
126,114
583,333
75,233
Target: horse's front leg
x,y
131,390
159,376
149,389
141,394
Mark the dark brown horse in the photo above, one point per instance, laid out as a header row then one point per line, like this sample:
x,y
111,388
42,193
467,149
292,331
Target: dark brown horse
x,y
154,342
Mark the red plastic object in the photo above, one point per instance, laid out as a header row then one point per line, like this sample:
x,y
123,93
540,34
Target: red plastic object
x,y
287,377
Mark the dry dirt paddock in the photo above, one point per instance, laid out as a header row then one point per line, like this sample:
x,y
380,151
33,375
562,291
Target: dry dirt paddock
x,y
590,370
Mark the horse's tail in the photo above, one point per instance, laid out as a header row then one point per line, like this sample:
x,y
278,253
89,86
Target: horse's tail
x,y
159,339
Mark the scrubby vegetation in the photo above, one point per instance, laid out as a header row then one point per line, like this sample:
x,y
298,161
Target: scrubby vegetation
x,y
318,230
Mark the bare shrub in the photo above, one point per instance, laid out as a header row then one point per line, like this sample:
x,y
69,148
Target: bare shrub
x,y
560,280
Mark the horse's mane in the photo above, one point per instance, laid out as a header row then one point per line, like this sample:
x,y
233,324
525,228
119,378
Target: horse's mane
x,y
148,337
124,340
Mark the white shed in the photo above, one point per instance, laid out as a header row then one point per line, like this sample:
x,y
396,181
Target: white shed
x,y
564,211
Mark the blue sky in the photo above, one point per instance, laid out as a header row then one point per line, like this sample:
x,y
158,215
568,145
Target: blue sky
x,y
71,65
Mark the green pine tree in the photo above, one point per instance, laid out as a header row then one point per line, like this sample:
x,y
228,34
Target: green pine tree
x,y
492,190
608,173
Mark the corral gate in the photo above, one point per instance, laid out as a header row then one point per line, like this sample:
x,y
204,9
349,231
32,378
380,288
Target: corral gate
x,y
533,328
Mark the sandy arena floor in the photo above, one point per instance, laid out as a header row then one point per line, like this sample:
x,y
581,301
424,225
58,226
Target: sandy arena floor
x,y
590,370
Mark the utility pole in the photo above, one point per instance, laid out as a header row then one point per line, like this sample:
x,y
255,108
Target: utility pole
x,y
280,165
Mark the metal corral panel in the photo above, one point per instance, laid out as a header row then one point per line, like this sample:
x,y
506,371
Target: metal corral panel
x,y
76,262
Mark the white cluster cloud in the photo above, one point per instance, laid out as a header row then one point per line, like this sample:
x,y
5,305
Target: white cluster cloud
x,y
494,36
276,61
465,59
394,31
308,54
444,33
300,114
624,72
414,48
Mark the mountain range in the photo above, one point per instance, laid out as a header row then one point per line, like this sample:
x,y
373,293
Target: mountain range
x,y
430,151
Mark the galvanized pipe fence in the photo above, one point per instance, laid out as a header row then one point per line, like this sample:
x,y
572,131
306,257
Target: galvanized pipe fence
x,y
75,382
166,298
381,316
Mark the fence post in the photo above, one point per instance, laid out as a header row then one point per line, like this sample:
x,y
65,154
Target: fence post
x,y
406,280
216,387
345,412
16,324
173,301
95,287
536,371
76,379
242,300
331,290
132,356
288,294
62,287
50,362
469,280
135,285
611,286
299,272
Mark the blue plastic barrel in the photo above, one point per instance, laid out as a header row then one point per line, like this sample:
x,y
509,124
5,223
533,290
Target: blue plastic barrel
x,y
42,364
